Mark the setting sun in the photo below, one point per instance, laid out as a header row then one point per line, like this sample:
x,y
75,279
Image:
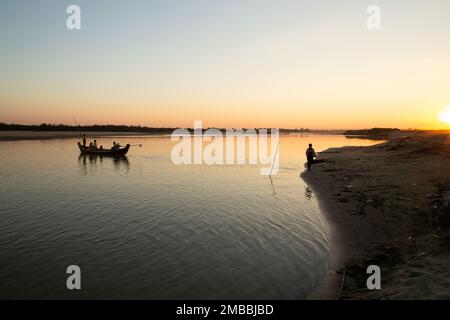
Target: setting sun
x,y
444,116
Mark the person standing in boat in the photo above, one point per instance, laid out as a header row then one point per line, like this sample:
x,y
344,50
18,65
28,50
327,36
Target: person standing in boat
x,y
115,146
95,144
310,155
84,140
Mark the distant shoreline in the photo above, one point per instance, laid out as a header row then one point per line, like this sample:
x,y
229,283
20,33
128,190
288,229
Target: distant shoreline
x,y
46,135
124,128
10,135
11,132
14,132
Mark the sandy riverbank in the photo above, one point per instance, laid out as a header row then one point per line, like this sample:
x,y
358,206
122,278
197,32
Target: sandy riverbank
x,y
388,205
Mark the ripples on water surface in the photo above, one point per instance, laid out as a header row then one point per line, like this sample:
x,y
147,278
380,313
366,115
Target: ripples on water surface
x,y
142,227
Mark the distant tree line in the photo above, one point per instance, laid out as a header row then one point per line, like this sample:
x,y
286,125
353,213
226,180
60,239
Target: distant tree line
x,y
371,132
96,127
106,128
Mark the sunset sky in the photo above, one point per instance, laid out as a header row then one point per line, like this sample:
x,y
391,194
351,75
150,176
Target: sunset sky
x,y
233,63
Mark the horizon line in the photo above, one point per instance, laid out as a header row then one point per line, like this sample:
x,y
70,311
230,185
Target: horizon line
x,y
210,127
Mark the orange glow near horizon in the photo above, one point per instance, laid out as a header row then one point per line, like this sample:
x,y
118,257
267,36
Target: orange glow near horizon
x,y
315,118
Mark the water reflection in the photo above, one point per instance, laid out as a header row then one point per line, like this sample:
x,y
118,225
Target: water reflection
x,y
121,162
274,192
155,230
93,161
308,193
361,137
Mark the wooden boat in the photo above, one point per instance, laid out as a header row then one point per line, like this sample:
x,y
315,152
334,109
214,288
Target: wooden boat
x,y
104,152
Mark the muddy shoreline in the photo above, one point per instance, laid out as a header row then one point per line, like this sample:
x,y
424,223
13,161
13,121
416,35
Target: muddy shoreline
x,y
387,205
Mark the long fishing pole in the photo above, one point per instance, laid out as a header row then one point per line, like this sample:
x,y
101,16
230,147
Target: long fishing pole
x,y
81,133
273,163
78,126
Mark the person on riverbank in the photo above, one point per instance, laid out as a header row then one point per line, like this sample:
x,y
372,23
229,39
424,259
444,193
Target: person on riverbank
x,y
310,155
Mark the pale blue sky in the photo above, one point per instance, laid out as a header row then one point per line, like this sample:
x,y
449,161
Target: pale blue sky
x,y
249,63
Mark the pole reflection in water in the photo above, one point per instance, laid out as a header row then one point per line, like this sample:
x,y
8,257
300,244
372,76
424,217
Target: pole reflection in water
x,y
308,192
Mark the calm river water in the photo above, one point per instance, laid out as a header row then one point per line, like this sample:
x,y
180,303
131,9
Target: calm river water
x,y
143,227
